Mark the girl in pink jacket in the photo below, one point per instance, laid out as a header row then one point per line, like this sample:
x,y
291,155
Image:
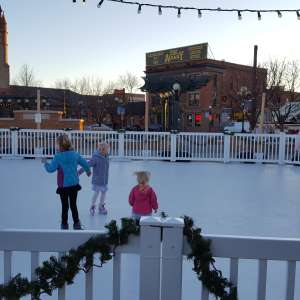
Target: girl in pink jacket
x,y
142,197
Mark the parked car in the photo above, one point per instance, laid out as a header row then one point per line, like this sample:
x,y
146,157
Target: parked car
x,y
134,128
155,127
237,127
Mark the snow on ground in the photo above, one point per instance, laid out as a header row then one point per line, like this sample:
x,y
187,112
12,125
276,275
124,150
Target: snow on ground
x,y
234,199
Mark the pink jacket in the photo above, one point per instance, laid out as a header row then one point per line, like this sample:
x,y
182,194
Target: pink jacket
x,y
143,202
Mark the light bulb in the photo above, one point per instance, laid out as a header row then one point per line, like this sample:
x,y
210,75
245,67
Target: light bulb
x,y
239,15
179,13
140,9
159,10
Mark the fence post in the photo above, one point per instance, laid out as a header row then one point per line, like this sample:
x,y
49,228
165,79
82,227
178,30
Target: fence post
x,y
172,247
226,148
150,258
121,147
14,142
173,146
282,148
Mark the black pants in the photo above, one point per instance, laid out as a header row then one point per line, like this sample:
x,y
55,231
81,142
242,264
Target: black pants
x,y
68,197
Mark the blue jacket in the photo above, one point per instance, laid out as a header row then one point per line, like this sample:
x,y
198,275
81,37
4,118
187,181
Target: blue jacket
x,y
68,161
100,164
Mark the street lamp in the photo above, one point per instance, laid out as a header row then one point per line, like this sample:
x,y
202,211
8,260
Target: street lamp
x,y
175,100
244,93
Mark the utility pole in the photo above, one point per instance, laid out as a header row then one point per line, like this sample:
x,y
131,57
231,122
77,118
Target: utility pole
x,y
38,108
254,89
147,111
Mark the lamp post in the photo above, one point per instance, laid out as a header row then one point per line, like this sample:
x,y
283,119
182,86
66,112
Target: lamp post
x,y
244,93
174,109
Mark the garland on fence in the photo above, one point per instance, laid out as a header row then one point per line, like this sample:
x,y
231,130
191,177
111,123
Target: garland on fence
x,y
55,273
204,263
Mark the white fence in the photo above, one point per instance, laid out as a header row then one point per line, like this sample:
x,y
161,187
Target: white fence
x,y
161,247
267,148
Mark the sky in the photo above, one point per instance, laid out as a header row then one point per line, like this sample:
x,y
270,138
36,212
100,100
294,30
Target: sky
x,y
60,39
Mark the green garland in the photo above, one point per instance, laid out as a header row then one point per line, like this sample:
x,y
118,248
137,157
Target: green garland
x,y
204,263
55,273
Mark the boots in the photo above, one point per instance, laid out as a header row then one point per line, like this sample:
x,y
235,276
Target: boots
x,y
77,226
64,226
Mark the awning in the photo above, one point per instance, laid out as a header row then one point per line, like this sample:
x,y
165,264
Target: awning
x,y
158,83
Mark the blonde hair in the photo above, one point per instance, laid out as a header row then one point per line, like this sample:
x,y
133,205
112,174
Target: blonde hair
x,y
103,145
142,177
64,142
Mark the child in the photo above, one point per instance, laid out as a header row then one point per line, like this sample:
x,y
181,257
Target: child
x,y
100,164
65,163
142,197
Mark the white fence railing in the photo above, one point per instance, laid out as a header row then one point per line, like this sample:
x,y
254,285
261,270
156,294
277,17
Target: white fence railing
x,y
161,247
267,148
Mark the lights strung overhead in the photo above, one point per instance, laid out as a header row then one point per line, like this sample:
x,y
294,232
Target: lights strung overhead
x,y
159,11
140,9
179,13
239,15
259,16
179,9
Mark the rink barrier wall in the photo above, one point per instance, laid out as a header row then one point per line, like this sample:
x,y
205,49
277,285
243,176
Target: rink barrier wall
x,y
215,147
161,247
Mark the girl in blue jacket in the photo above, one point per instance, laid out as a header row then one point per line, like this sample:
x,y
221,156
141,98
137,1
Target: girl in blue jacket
x,y
65,162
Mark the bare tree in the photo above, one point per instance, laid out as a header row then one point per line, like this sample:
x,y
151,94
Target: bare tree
x,y
63,84
110,87
130,82
282,83
26,77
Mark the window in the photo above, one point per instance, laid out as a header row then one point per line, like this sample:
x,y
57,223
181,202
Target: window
x,y
194,99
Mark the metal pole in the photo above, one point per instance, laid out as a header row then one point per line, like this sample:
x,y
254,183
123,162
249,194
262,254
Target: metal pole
x,y
262,114
38,104
254,89
147,112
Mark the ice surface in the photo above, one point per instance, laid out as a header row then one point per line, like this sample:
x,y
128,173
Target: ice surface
x,y
234,199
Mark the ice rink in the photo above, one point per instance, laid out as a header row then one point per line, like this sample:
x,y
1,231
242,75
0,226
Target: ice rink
x,y
233,199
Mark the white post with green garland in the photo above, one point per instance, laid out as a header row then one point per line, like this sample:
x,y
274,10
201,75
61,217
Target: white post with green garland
x,y
172,248
150,250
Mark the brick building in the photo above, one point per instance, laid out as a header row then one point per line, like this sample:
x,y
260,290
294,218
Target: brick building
x,y
208,107
92,109
50,119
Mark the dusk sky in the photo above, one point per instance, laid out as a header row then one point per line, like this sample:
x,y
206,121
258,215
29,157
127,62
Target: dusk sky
x,y
60,39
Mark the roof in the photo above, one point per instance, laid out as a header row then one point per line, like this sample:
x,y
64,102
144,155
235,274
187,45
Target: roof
x,y
220,64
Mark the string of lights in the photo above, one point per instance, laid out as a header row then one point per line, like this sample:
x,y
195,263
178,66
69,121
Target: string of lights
x,y
160,8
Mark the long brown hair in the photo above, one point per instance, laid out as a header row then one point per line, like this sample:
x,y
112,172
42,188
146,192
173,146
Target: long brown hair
x,y
64,142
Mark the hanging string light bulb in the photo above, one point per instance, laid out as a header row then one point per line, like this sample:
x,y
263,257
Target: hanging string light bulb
x,y
159,11
199,13
100,3
139,9
179,13
298,14
279,14
239,15
259,16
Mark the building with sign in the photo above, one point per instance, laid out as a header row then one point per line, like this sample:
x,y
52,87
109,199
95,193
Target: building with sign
x,y
209,90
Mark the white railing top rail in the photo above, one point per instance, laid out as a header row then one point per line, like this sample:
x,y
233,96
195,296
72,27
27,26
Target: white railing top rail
x,y
54,240
248,247
243,247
